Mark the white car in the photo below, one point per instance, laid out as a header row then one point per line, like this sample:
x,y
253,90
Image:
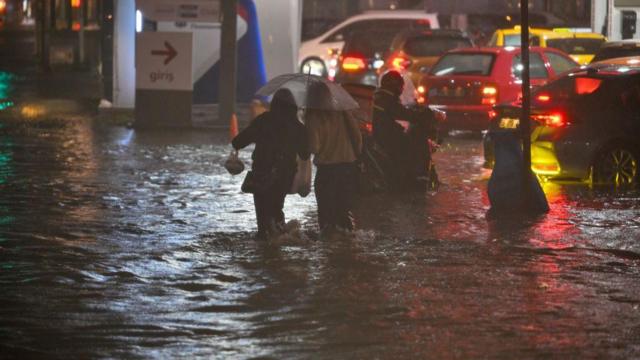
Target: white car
x,y
319,56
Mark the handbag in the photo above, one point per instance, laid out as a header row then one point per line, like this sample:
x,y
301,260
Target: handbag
x,y
301,184
257,181
233,164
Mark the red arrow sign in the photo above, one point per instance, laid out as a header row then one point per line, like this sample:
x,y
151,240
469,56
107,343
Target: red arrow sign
x,y
169,52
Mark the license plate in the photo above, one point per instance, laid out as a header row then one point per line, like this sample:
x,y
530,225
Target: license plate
x,y
509,123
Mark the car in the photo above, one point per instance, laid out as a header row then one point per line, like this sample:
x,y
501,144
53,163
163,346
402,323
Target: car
x,y
414,52
362,60
467,83
580,44
362,57
511,36
618,49
318,56
586,125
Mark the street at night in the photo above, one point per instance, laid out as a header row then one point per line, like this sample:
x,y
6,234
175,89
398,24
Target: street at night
x,y
122,242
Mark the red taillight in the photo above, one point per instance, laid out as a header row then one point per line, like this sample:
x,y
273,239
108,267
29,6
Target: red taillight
x,y
489,95
543,98
551,120
352,63
422,94
400,63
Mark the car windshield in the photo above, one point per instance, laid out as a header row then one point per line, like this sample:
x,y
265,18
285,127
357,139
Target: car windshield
x,y
576,46
434,45
616,52
464,64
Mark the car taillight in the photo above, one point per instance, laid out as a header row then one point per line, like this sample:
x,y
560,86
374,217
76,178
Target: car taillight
x,y
543,98
400,63
422,94
489,95
352,63
552,120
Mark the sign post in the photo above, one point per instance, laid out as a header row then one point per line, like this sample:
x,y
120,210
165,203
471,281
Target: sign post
x,y
525,126
164,87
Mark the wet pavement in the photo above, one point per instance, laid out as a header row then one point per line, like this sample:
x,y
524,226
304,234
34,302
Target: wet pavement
x,y
117,243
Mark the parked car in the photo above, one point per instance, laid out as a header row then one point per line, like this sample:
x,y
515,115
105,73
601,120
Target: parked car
x,y
316,55
467,83
414,52
586,125
618,49
580,44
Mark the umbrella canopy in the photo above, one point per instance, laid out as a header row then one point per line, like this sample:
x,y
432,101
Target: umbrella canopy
x,y
311,92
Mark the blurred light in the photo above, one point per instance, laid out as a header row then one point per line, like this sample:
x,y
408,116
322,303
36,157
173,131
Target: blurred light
x,y
378,64
421,89
138,21
543,98
3,5
586,85
32,111
76,3
351,63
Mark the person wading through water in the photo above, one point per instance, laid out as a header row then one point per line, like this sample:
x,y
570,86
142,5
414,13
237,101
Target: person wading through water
x,y
336,142
279,136
409,152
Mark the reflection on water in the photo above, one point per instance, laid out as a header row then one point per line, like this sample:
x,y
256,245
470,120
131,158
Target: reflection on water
x,y
6,87
116,243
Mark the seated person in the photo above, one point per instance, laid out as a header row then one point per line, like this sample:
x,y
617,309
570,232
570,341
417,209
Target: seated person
x,y
409,151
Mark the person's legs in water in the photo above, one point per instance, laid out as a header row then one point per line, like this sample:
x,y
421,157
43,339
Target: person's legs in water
x,y
345,190
324,186
277,206
261,203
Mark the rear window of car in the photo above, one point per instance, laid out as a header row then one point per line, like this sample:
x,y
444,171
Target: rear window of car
x,y
370,43
434,45
576,46
514,40
616,52
464,64
537,69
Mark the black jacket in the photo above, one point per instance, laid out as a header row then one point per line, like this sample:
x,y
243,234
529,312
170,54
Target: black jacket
x,y
279,137
387,108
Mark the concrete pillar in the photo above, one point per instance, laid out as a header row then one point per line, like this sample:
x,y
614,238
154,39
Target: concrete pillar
x,y
124,34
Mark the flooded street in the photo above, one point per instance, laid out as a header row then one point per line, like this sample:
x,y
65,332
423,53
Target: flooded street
x,y
116,243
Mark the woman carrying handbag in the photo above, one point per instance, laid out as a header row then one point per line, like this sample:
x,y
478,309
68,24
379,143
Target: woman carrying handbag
x,y
280,139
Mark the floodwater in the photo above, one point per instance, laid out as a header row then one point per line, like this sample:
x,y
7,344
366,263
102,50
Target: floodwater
x,y
123,244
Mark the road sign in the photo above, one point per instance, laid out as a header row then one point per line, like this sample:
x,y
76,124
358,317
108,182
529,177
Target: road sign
x,y
180,10
163,61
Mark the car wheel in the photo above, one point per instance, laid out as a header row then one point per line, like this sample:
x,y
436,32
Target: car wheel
x,y
313,67
617,165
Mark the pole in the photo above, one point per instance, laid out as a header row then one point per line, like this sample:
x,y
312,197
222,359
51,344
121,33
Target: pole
x,y
81,40
525,126
228,61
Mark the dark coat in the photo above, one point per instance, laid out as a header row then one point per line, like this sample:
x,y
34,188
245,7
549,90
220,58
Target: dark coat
x,y
279,137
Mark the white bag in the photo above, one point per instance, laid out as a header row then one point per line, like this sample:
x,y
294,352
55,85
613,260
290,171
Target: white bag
x,y
302,180
233,164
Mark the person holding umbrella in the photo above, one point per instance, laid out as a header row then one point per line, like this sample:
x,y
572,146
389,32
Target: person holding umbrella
x,y
336,142
334,139
279,137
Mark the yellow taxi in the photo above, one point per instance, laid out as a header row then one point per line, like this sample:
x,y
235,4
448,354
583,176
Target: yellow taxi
x,y
580,45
